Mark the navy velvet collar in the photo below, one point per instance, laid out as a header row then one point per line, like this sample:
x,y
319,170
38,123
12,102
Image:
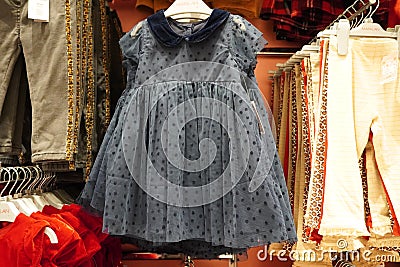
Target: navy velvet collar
x,y
162,30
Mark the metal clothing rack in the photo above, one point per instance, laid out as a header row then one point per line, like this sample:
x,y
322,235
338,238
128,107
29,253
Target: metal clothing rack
x,y
232,260
188,261
350,13
31,179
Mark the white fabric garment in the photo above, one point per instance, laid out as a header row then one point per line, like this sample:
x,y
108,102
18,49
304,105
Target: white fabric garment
x,y
343,208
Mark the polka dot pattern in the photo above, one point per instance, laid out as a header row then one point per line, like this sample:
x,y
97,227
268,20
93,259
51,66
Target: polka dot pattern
x,y
136,146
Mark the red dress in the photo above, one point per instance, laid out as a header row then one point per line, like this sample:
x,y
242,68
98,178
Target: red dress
x,y
69,251
92,244
22,242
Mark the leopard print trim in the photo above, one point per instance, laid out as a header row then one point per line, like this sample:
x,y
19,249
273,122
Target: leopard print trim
x,y
70,70
318,175
282,92
389,249
105,61
363,172
79,73
306,141
293,138
90,99
273,85
118,28
275,99
310,106
392,222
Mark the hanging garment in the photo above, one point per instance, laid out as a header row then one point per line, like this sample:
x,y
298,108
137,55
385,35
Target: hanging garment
x,y
11,115
72,92
22,242
188,84
370,106
50,77
91,242
110,253
318,157
380,214
69,250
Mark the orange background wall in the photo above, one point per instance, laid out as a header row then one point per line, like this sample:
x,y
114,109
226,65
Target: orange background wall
x,y
129,16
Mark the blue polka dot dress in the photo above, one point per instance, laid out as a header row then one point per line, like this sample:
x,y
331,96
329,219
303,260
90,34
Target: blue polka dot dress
x,y
189,163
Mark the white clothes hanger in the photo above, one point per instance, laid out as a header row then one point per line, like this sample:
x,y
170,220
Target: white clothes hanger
x,y
20,205
39,201
9,212
188,10
23,184
366,29
51,197
370,29
24,205
17,196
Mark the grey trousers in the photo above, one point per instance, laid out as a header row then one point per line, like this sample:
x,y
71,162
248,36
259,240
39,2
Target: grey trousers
x,y
48,49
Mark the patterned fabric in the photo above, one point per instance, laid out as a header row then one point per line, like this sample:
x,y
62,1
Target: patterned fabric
x,y
300,20
282,103
276,101
283,148
316,11
307,152
340,175
293,136
145,131
364,179
316,190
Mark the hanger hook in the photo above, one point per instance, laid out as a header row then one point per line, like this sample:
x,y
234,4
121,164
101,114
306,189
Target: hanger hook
x,y
28,176
50,180
42,178
361,20
14,174
8,182
35,179
376,8
354,23
369,13
38,178
21,186
45,179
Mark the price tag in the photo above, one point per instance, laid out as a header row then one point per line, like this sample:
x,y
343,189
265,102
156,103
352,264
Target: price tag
x,y
38,10
389,69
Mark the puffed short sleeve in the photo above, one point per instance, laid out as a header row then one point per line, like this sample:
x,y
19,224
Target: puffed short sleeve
x,y
247,40
131,47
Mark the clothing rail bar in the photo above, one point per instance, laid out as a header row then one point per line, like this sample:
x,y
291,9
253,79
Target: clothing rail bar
x,y
350,13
